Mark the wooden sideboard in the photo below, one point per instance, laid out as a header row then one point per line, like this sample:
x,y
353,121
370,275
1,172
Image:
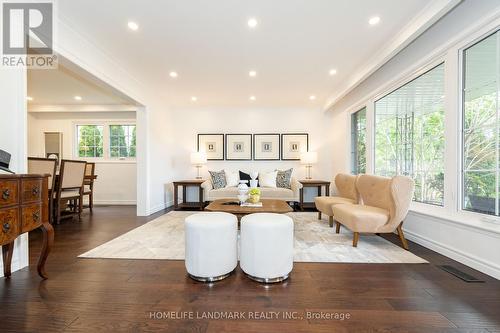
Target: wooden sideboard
x,y
24,206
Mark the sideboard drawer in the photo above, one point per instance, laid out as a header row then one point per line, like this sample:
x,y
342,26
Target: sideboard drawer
x,y
31,217
31,190
8,193
9,225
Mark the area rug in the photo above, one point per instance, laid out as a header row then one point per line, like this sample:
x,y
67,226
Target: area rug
x,y
315,241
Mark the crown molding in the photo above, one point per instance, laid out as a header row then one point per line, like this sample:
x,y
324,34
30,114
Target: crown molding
x,y
429,15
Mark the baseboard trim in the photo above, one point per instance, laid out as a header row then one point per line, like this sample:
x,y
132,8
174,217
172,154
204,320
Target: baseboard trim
x,y
460,256
115,202
160,207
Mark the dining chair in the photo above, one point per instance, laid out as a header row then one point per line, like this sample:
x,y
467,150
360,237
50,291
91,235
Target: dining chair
x,y
37,165
70,189
88,184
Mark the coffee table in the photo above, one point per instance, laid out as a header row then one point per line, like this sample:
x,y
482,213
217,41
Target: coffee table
x,y
268,206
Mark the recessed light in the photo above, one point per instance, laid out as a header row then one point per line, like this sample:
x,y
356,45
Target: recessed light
x,y
252,73
29,98
252,23
78,98
312,97
374,20
252,98
173,74
133,26
194,98
332,72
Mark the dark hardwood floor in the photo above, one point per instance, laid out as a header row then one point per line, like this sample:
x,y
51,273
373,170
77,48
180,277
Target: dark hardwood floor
x,y
97,295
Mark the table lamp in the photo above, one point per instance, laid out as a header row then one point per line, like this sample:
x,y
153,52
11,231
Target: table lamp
x,y
198,159
309,158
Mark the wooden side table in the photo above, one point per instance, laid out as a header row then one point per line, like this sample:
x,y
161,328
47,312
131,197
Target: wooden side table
x,y
185,184
319,184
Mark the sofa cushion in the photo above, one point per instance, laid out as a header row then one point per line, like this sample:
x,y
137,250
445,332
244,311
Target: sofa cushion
x,y
284,178
325,204
246,176
265,193
268,179
218,179
361,218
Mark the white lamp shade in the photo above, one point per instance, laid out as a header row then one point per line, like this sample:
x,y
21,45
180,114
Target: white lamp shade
x,y
198,158
309,157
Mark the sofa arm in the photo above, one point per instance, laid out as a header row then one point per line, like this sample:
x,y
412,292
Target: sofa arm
x,y
295,185
207,187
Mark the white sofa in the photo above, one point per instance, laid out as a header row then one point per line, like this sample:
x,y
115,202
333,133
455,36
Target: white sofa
x,y
292,195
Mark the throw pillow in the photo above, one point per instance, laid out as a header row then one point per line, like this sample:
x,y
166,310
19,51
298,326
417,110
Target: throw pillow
x,y
232,179
268,179
218,179
284,178
246,176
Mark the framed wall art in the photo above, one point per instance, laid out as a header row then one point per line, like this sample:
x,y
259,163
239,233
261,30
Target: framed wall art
x,y
213,145
266,147
238,147
293,144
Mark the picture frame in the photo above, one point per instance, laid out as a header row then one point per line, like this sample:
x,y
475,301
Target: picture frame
x,y
266,147
238,147
292,144
212,145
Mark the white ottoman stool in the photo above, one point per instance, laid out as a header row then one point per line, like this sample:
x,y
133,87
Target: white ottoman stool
x,y
266,253
211,245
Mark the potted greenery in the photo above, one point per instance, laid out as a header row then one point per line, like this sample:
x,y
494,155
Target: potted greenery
x,y
254,195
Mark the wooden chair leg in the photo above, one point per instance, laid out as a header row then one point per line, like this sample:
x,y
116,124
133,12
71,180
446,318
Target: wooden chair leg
x,y
80,207
91,200
402,237
319,215
337,228
330,221
58,212
355,239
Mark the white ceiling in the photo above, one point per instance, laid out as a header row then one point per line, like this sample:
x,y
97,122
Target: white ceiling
x,y
211,47
60,86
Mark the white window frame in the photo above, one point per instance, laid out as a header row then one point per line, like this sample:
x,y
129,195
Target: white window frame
x,y
109,142
451,54
441,59
472,40
106,158
366,136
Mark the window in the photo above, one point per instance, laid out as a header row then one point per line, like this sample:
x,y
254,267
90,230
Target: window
x,y
481,126
409,134
358,142
122,140
90,140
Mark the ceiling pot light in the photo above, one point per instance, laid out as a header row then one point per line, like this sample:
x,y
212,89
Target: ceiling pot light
x,y
78,98
332,72
252,98
374,20
252,23
252,73
173,74
29,98
312,97
133,26
194,98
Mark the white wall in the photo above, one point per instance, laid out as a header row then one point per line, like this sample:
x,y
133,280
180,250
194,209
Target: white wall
x,y
190,122
117,180
466,238
13,140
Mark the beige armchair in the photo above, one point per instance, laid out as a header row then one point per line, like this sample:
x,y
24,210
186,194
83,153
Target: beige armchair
x,y
385,205
346,188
